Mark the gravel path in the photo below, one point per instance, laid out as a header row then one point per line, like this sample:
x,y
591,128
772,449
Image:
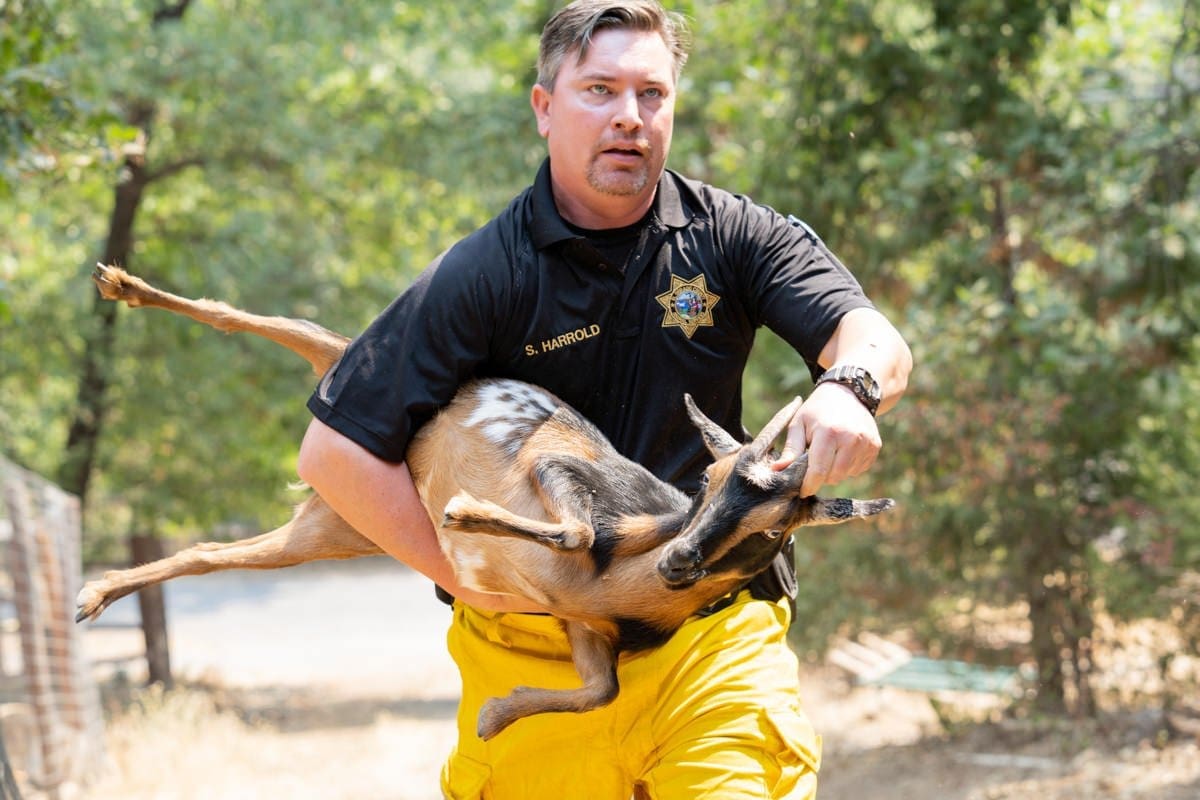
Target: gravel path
x,y
369,626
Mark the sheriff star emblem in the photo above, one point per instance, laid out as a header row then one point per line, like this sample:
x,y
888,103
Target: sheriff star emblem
x,y
688,304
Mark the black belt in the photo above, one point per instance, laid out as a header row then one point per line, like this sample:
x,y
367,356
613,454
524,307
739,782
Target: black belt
x,y
443,595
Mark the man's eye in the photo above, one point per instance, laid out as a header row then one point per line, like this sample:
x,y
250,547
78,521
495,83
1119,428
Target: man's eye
x,y
598,88
655,93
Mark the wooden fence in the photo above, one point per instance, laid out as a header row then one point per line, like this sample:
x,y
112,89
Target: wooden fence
x,y
50,716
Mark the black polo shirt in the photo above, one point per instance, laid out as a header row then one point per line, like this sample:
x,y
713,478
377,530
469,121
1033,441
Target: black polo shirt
x,y
526,297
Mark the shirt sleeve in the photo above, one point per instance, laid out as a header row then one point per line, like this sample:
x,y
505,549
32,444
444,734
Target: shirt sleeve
x,y
793,283
413,357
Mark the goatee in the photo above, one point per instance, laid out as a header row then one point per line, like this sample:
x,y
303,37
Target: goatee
x,y
620,183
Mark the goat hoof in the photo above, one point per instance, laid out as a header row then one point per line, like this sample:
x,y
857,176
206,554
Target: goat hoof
x,y
108,281
115,283
569,539
89,603
457,513
494,717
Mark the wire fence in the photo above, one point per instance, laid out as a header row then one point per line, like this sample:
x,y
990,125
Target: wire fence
x,y
51,726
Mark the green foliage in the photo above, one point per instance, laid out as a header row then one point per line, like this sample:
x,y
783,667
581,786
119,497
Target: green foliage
x,y
40,117
31,96
47,123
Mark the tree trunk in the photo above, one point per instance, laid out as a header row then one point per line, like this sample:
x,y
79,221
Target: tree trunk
x,y
144,548
84,434
1081,627
1062,624
1044,611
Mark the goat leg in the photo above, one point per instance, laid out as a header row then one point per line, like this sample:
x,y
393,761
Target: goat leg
x,y
595,659
471,515
569,485
315,532
316,345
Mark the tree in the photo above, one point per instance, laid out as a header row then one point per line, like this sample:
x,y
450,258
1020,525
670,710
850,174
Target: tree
x,y
1014,182
44,121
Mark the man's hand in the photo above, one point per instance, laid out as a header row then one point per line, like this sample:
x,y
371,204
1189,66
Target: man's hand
x,y
839,434
836,429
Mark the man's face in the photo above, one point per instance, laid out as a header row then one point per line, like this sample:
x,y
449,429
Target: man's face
x,y
608,122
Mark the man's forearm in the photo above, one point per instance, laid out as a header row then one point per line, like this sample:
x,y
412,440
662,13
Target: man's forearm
x,y
865,338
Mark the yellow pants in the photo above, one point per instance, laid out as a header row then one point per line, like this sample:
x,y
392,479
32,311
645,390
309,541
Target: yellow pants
x,y
714,713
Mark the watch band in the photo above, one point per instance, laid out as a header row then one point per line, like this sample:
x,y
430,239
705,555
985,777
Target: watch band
x,y
857,380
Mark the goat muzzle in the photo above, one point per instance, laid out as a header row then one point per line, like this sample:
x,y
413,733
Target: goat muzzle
x,y
680,567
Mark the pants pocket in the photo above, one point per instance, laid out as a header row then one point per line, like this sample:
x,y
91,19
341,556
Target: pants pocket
x,y
464,778
798,753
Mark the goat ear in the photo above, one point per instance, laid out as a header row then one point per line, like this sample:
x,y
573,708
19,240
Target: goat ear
x,y
792,476
716,439
835,510
762,442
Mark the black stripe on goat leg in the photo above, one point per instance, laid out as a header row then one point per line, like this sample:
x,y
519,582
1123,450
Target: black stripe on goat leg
x,y
471,515
595,660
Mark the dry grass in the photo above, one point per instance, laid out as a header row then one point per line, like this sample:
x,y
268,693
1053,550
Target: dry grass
x,y
189,745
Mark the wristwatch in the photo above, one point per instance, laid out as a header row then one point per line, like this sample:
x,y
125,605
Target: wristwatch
x,y
857,380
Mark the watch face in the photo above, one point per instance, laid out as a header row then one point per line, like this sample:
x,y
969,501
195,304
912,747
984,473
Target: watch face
x,y
858,380
869,383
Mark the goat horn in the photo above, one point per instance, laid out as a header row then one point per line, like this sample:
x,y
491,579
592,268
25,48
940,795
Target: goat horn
x,y
716,439
763,441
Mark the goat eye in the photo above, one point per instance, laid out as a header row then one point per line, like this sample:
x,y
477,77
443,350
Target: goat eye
x,y
772,535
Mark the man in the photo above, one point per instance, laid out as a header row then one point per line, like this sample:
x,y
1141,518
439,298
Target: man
x,y
618,286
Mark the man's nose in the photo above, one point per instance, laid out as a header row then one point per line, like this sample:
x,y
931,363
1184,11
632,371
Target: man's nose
x,y
628,116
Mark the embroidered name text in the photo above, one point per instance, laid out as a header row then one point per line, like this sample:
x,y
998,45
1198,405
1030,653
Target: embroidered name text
x,y
562,340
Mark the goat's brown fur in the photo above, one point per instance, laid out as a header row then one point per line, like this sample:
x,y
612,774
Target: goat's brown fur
x,y
621,569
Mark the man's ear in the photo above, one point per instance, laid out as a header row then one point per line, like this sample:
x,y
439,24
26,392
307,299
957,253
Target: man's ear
x,y
540,99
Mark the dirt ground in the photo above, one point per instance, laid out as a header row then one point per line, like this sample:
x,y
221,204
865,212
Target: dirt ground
x,y
201,743
268,711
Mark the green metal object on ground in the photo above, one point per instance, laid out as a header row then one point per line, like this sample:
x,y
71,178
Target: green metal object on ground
x,y
936,675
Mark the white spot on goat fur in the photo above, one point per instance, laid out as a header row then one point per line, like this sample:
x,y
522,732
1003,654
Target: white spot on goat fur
x,y
761,474
502,408
469,567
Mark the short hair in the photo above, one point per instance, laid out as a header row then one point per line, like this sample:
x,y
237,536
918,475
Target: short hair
x,y
573,27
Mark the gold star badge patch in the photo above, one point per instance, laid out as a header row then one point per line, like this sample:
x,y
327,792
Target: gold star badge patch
x,y
688,304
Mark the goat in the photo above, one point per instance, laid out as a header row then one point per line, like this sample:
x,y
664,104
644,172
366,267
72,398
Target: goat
x,y
530,499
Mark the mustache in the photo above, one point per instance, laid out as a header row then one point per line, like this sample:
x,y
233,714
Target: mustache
x,y
641,146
